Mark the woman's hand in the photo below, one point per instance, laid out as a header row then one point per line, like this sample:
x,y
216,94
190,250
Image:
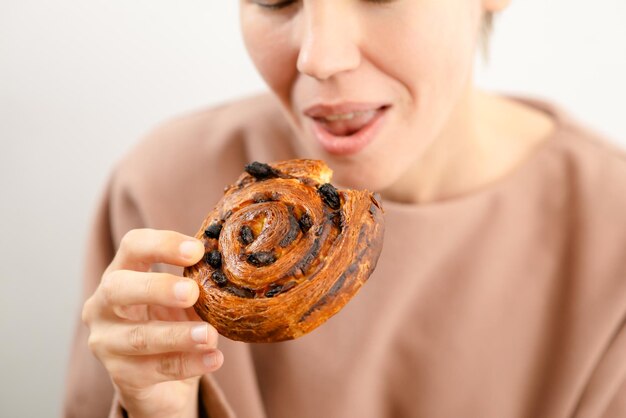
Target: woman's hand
x,y
144,331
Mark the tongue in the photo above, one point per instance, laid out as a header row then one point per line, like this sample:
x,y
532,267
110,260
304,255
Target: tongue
x,y
346,127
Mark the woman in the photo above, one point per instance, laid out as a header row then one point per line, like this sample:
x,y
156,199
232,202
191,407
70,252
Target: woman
x,y
501,288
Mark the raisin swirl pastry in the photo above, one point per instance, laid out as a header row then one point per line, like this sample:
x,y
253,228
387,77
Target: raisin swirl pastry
x,y
285,251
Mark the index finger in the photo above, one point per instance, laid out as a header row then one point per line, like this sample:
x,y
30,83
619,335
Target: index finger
x,y
140,248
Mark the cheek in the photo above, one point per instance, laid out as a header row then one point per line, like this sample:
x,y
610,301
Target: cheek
x,y
271,53
431,48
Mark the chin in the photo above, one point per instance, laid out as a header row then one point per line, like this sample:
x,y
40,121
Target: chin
x,y
372,169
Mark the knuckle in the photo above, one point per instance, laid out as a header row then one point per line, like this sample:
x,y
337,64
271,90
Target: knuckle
x,y
138,339
174,366
86,314
109,294
170,339
93,342
110,287
134,244
129,238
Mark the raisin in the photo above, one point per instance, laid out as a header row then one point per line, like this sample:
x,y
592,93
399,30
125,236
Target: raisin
x,y
242,292
245,235
306,222
213,259
261,171
213,231
329,195
262,259
219,278
273,291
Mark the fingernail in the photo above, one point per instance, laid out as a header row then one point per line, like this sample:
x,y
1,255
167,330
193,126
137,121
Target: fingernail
x,y
213,360
200,333
182,290
190,249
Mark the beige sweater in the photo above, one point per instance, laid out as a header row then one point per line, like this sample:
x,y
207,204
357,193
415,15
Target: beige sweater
x,y
507,302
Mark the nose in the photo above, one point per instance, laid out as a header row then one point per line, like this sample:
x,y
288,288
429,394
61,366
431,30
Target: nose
x,y
327,41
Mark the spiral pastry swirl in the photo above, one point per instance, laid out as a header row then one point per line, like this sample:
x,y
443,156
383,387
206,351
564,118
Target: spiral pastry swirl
x,y
284,251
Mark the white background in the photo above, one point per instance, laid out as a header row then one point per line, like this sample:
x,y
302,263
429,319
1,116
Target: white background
x,y
81,81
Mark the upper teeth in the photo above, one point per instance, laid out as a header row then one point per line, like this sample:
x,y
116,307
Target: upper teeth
x,y
345,116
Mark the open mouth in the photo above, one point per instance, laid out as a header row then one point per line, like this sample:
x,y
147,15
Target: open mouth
x,y
348,124
347,129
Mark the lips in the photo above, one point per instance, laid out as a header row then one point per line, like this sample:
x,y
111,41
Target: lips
x,y
346,124
346,128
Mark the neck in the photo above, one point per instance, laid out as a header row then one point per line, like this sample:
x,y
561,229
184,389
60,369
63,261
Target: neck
x,y
485,139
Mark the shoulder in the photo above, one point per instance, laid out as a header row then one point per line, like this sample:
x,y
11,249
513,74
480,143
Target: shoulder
x,y
595,167
592,183
583,163
592,171
590,147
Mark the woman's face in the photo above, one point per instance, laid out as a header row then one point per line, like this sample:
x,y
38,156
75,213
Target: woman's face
x,y
367,84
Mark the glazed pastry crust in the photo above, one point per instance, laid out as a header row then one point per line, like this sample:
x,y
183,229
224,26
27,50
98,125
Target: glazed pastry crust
x,y
285,251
